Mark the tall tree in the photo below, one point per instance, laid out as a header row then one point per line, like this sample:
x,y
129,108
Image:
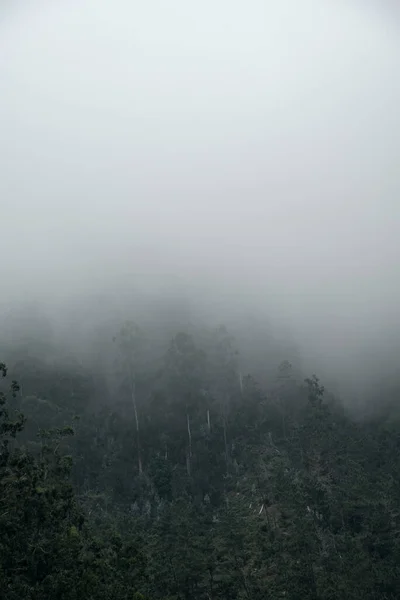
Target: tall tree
x,y
185,371
129,341
225,380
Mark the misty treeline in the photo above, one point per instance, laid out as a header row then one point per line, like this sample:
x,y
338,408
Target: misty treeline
x,y
155,465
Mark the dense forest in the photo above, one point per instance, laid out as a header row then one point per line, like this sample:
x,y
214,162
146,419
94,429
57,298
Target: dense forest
x,y
199,300
163,471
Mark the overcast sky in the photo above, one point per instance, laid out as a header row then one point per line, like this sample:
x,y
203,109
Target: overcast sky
x,y
251,144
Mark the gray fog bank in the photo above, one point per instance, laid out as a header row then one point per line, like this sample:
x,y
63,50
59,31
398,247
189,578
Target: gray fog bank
x,y
245,154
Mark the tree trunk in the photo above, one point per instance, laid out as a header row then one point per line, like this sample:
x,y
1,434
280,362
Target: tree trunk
x,y
223,409
189,454
241,382
226,446
133,396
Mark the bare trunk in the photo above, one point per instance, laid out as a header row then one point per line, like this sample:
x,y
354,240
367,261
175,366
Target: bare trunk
x,y
189,454
223,405
133,396
138,440
208,421
189,434
188,465
226,446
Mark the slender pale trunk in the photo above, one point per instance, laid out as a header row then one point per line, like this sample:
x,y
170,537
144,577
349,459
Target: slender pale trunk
x,y
188,464
226,445
284,423
189,454
223,408
133,396
189,434
208,421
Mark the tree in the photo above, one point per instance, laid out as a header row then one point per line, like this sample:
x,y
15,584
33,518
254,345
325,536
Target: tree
x,y
130,341
185,372
39,518
225,380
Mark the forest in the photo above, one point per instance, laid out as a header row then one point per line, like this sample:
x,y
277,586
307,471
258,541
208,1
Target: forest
x,y
199,300
159,469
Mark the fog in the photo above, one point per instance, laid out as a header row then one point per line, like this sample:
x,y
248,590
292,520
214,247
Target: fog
x,y
241,154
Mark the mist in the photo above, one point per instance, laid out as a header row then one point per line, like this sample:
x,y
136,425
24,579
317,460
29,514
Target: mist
x,y
239,155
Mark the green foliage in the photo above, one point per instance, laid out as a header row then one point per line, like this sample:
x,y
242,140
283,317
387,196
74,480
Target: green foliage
x,y
230,490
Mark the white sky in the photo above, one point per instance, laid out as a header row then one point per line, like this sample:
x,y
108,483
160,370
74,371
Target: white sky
x,y
254,145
